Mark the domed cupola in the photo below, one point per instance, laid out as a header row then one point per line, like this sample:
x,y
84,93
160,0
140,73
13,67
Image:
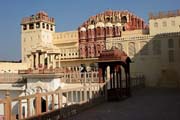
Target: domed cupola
x,y
118,25
109,24
83,29
109,29
118,28
91,27
100,24
91,31
82,33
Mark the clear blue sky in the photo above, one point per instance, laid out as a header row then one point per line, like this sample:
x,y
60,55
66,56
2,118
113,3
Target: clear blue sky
x,y
69,14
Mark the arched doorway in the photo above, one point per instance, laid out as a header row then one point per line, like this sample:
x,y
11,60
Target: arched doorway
x,y
43,100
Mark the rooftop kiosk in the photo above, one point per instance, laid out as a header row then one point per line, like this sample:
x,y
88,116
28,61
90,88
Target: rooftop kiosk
x,y
113,66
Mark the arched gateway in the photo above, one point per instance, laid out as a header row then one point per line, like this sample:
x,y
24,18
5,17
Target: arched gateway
x,y
115,60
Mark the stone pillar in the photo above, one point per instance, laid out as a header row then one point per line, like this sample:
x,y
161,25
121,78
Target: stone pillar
x,y
100,75
114,86
37,60
38,103
42,59
60,98
90,92
59,60
76,97
80,96
53,61
72,97
111,83
28,107
48,61
7,106
32,61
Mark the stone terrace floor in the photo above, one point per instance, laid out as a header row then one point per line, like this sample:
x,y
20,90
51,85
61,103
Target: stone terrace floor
x,y
145,104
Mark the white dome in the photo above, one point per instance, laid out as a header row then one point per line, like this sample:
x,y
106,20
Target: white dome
x,y
109,24
91,27
83,29
118,24
100,24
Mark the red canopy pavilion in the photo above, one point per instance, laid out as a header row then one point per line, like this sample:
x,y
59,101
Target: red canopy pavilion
x,y
116,60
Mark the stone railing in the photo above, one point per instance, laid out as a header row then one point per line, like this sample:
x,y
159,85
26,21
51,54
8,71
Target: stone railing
x,y
62,103
77,77
55,105
40,71
137,80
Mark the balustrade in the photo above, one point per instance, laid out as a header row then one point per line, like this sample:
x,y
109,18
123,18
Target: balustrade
x,y
77,77
60,103
42,103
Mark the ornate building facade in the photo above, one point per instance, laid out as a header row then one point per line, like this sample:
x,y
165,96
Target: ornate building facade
x,y
154,46
109,24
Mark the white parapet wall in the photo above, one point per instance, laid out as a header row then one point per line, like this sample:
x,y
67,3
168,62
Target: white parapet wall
x,y
12,67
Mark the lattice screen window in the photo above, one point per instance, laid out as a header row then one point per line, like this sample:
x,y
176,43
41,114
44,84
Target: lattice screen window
x,y
144,48
156,47
131,49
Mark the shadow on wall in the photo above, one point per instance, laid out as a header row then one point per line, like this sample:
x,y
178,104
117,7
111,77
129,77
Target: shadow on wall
x,y
158,59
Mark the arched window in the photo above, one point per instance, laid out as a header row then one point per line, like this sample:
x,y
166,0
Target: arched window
x,y
108,19
98,31
131,49
124,19
24,27
47,26
38,25
43,25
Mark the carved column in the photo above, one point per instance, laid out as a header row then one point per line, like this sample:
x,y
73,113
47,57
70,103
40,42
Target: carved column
x,y
42,59
48,61
100,75
53,61
37,59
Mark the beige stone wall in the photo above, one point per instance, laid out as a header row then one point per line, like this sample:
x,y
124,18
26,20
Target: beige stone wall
x,y
33,39
67,43
65,37
152,55
9,67
164,25
134,32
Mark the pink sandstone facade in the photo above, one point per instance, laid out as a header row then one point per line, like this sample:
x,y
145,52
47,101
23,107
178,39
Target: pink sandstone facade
x,y
94,31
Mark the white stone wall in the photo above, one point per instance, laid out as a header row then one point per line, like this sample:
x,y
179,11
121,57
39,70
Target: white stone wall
x,y
10,67
43,84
